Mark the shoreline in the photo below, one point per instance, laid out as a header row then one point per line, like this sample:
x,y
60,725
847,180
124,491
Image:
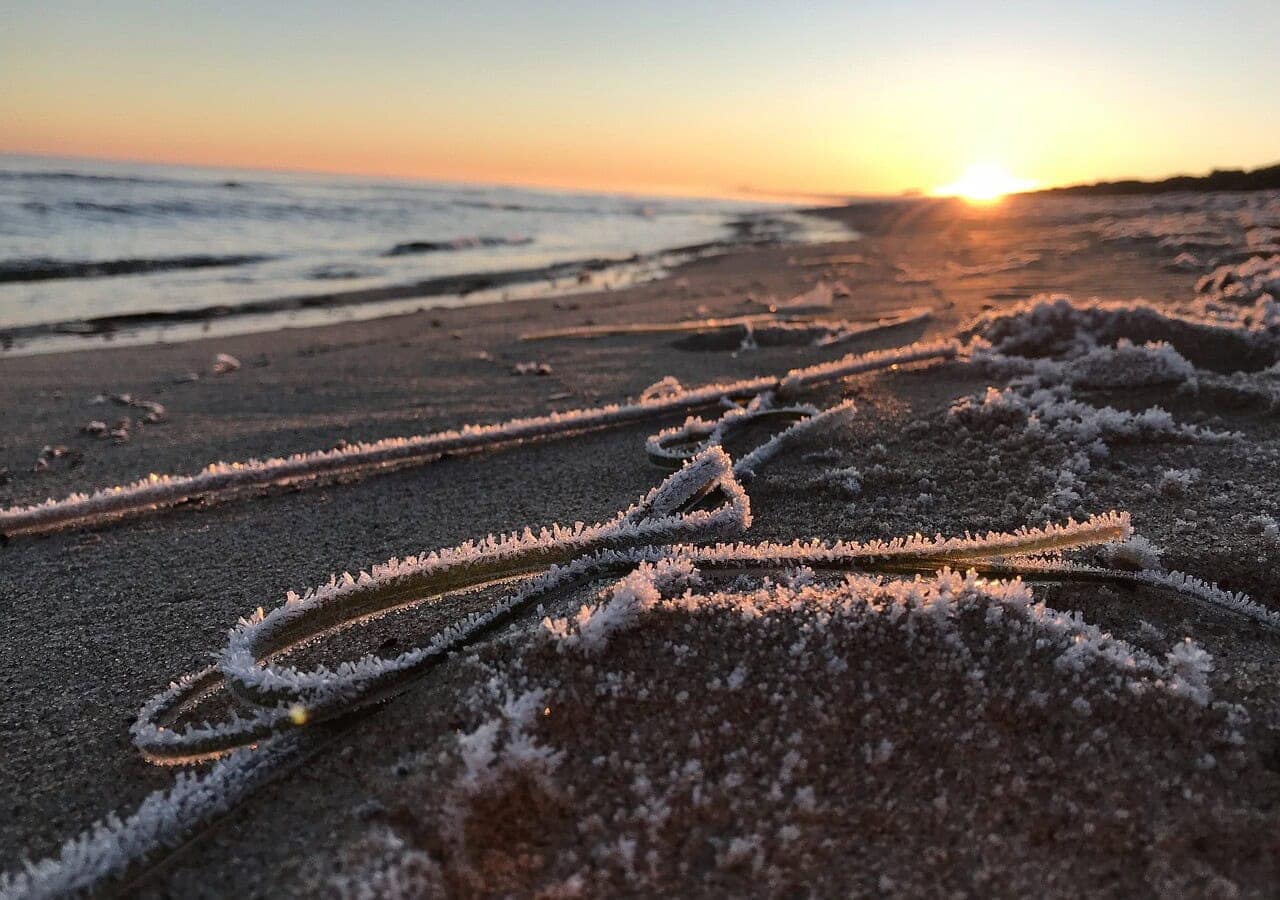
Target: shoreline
x,y
446,291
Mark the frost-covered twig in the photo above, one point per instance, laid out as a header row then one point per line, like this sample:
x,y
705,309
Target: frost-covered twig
x,y
919,552
226,479
281,697
1187,585
113,846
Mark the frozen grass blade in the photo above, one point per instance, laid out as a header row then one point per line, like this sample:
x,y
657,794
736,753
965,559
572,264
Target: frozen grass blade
x,y
276,694
1189,586
670,447
114,847
225,480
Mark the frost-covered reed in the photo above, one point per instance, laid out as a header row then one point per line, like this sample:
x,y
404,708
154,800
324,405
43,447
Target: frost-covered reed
x,y
673,445
221,480
282,697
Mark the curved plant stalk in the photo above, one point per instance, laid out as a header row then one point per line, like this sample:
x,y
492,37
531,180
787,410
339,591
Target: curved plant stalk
x,y
114,848
1189,586
670,447
917,553
224,480
282,697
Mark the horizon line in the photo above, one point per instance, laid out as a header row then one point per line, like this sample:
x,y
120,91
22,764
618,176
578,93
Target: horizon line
x,y
743,193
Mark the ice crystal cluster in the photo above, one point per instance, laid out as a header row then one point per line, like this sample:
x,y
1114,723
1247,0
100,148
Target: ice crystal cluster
x,y
1053,350
1056,326
1254,282
1075,435
1055,341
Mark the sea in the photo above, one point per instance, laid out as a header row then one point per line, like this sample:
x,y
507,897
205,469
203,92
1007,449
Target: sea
x,y
140,252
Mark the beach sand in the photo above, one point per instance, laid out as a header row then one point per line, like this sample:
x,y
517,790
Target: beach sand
x,y
101,618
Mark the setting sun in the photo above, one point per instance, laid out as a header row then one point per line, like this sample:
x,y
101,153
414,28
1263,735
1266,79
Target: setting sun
x,y
984,183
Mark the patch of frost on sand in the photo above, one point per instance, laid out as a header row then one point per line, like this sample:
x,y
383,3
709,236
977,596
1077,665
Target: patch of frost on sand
x,y
948,711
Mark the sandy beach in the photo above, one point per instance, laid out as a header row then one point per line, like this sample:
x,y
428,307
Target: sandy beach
x,y
893,769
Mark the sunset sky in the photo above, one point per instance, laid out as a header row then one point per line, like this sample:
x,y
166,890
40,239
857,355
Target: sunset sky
x,y
691,97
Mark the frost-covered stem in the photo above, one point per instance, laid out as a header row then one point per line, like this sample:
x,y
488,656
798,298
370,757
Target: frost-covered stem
x,y
220,480
282,697
1096,530
1196,589
747,467
274,691
671,446
113,847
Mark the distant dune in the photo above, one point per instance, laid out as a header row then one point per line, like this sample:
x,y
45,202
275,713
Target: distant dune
x,y
1262,179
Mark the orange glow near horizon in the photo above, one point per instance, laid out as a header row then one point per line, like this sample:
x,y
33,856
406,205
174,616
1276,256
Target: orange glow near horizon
x,y
984,183
726,100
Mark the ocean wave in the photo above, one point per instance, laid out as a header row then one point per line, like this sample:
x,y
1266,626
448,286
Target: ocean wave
x,y
338,272
505,207
170,208
85,177
463,243
251,209
172,231
643,210
44,269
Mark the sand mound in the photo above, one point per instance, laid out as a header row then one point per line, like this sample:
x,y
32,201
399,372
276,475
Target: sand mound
x,y
730,739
